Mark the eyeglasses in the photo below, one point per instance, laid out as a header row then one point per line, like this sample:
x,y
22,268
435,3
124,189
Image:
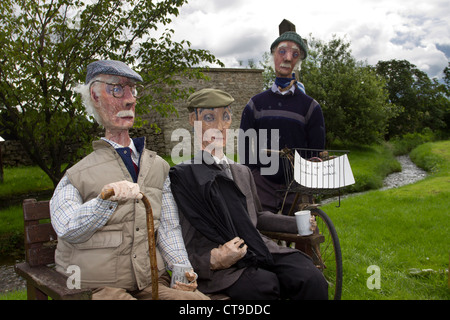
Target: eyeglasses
x,y
118,90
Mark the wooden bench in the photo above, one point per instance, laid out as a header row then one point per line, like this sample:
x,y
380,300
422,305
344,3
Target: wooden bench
x,y
43,281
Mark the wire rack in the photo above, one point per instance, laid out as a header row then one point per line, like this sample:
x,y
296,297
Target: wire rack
x,y
314,171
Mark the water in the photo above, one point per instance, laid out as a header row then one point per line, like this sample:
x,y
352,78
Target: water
x,y
410,173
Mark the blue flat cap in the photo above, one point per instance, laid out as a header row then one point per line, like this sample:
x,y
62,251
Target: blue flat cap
x,y
112,67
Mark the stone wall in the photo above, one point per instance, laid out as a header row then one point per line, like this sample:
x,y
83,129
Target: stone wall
x,y
13,154
242,84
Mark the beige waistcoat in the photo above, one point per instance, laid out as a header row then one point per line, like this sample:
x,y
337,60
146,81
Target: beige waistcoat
x,y
117,254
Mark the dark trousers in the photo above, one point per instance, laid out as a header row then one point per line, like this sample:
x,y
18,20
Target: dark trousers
x,y
293,277
271,195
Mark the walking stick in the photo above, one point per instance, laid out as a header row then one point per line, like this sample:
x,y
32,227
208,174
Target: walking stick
x,y
151,240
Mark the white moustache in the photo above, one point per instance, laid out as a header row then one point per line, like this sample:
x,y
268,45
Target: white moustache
x,y
125,113
285,65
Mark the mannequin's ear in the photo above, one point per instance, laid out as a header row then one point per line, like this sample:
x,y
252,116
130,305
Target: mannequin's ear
x,y
192,118
94,95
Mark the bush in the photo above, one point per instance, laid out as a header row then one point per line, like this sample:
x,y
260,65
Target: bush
x,y
12,245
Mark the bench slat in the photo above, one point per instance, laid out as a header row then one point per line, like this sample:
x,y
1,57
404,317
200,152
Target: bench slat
x,y
40,256
40,233
36,210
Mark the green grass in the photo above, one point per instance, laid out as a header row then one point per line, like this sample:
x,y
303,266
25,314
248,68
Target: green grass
x,y
14,295
22,180
433,157
11,219
399,230
11,233
18,181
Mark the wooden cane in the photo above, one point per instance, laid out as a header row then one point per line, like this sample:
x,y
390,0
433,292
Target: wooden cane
x,y
151,240
151,246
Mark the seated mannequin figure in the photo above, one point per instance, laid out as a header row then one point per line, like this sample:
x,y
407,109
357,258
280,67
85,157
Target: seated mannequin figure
x,y
220,215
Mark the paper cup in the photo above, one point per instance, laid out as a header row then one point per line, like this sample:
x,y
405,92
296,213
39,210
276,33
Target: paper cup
x,y
303,223
179,273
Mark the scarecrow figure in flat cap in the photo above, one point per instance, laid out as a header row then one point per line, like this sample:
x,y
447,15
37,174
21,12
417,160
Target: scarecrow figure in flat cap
x,y
107,238
220,215
283,114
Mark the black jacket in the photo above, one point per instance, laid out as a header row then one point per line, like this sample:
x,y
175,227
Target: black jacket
x,y
217,208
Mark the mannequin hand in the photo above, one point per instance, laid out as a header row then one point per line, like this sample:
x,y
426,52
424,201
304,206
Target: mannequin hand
x,y
191,286
313,223
228,254
123,190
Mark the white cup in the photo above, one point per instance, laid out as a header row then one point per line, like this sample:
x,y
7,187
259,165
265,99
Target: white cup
x,y
179,273
303,222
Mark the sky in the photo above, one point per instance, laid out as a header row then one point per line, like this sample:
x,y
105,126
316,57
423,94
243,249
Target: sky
x,y
239,30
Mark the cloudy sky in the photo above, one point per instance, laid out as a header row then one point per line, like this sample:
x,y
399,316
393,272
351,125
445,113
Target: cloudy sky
x,y
239,30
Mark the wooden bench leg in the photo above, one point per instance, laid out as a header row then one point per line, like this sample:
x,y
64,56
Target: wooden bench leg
x,y
34,293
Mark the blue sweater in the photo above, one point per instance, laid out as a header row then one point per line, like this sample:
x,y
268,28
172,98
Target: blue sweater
x,y
298,118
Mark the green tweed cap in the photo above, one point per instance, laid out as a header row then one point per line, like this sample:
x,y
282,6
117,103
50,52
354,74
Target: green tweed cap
x,y
209,98
291,36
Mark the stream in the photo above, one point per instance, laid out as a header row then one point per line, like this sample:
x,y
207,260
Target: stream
x,y
410,173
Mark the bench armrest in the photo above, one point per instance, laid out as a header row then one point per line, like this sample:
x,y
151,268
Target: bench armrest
x,y
306,244
50,282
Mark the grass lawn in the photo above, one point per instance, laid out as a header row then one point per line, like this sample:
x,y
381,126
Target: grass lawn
x,y
403,231
18,181
22,180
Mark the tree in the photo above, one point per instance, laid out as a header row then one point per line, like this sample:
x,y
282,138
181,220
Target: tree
x,y
423,100
446,88
447,78
351,94
45,47
269,72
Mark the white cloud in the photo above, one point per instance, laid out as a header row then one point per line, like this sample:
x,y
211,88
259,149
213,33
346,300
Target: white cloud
x,y
235,30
